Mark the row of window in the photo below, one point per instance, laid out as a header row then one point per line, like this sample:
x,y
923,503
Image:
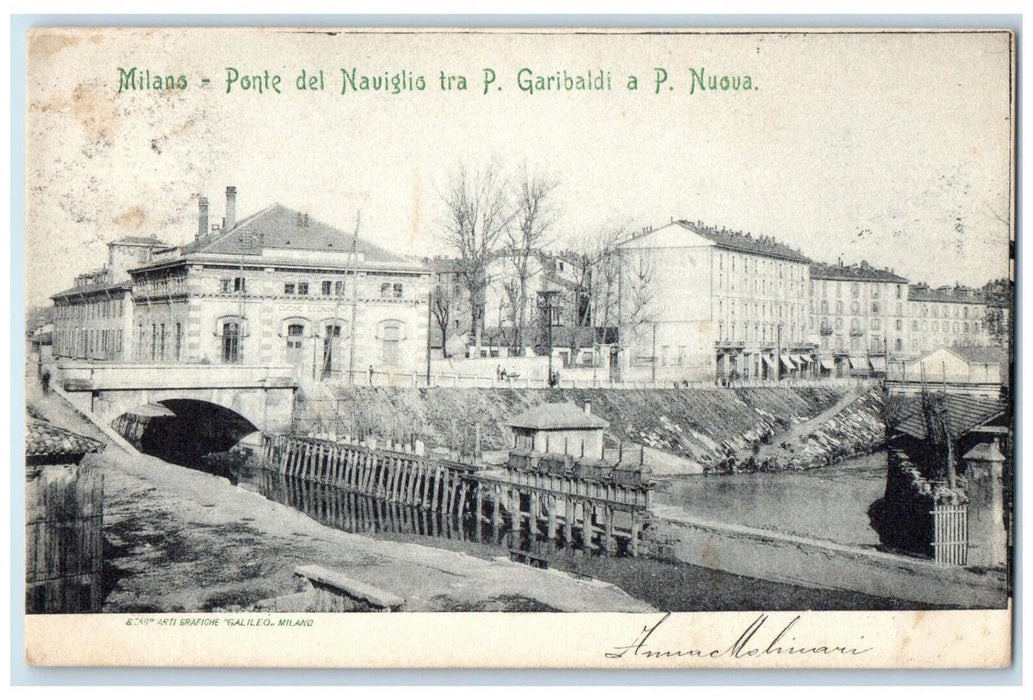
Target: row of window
x,y
763,332
761,266
761,286
326,288
959,311
855,343
761,311
956,327
161,285
388,290
91,344
874,289
100,308
165,342
856,307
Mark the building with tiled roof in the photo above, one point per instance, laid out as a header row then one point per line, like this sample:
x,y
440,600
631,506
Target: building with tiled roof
x,y
973,369
701,302
560,428
46,443
857,317
946,316
92,319
741,242
275,287
861,272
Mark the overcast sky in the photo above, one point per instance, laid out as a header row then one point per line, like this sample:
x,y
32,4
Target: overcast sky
x,y
892,148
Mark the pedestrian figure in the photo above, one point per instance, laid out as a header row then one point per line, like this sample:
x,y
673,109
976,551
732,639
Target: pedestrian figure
x,y
371,375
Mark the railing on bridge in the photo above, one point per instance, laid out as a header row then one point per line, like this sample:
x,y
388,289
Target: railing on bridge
x,y
459,380
78,376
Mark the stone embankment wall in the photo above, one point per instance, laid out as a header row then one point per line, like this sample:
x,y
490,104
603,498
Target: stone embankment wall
x,y
704,426
858,428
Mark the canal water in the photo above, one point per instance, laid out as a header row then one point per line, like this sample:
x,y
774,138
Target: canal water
x,y
828,503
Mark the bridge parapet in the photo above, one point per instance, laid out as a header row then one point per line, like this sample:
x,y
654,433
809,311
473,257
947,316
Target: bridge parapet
x,y
82,376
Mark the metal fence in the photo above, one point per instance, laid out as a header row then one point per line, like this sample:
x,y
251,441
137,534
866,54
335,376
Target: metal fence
x,y
459,380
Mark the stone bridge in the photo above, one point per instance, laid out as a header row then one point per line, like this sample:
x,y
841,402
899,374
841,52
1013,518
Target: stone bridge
x,y
262,395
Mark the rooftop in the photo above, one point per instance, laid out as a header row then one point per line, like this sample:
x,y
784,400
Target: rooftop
x,y
963,414
99,286
985,451
557,416
980,354
280,227
956,294
43,438
745,242
149,241
862,272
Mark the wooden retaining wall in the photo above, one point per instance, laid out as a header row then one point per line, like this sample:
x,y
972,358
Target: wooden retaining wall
x,y
384,486
396,477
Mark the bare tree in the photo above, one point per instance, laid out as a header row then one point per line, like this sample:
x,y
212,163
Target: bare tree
x,y
478,213
443,307
638,303
597,276
526,237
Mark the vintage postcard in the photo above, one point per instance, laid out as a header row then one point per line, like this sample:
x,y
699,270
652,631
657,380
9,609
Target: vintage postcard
x,y
562,348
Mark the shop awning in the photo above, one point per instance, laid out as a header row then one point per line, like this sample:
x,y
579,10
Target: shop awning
x,y
770,362
878,363
787,361
800,359
858,362
827,364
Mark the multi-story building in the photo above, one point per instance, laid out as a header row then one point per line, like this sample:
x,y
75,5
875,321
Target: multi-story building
x,y
551,287
93,319
698,302
945,316
277,287
858,317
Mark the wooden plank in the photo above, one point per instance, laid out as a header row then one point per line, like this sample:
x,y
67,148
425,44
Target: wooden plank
x,y
350,587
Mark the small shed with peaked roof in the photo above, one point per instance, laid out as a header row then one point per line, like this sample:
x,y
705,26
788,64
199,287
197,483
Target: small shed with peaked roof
x,y
46,444
560,428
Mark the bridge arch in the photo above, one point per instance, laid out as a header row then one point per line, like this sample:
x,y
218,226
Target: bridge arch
x,y
183,430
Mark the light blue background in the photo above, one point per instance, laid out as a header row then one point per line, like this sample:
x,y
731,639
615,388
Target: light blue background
x,y
21,674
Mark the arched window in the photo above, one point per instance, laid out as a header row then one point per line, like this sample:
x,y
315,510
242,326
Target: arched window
x,y
230,342
391,335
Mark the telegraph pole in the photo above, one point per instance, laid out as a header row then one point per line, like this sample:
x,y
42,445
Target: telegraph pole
x,y
429,297
355,297
654,352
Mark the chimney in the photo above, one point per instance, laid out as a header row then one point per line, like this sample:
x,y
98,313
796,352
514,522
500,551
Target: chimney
x,y
231,207
588,408
202,217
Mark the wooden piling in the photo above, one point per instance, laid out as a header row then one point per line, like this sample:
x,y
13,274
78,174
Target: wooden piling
x,y
463,486
586,527
568,521
551,528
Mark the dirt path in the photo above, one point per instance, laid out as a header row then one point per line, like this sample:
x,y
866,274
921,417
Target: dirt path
x,y
181,540
784,445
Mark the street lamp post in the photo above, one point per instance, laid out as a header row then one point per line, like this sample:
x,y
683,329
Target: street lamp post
x,y
545,302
